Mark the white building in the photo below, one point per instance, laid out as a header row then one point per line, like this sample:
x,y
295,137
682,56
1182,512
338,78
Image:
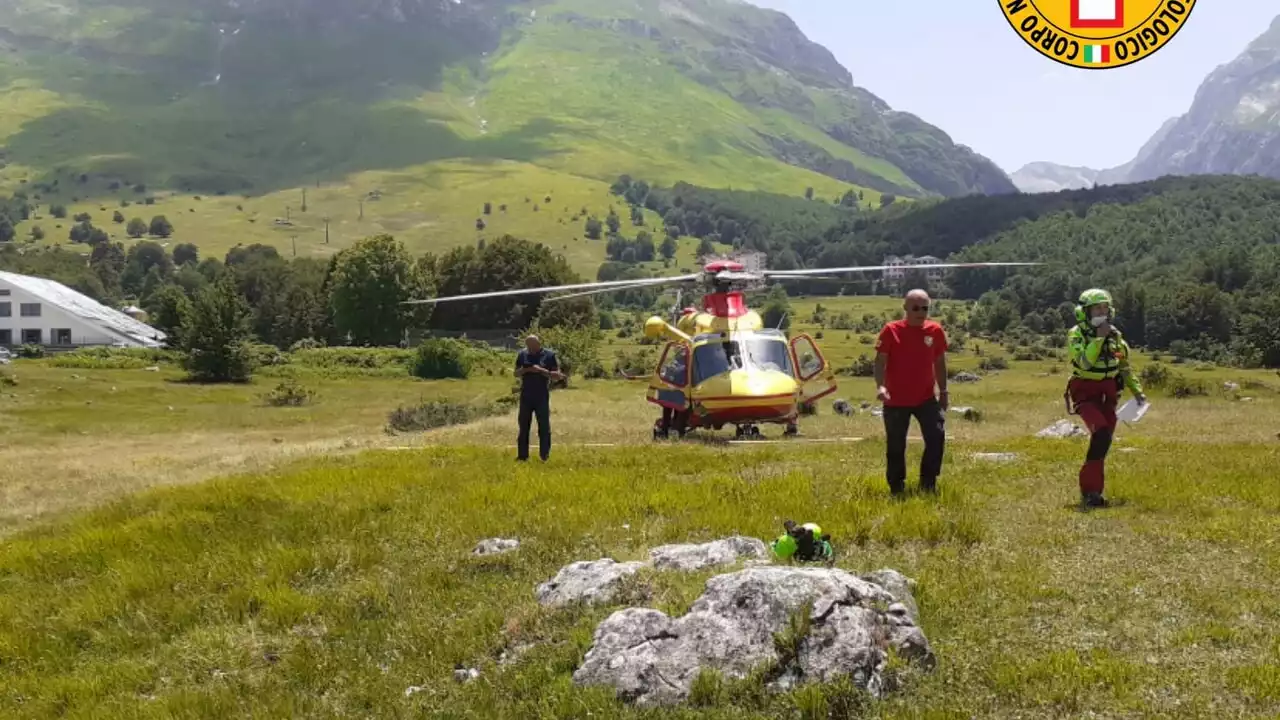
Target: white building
x,y
36,311
898,267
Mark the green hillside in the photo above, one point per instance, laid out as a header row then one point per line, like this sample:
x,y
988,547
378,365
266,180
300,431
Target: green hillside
x,y
428,109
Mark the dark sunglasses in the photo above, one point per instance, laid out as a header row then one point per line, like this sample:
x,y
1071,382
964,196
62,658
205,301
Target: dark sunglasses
x,y
918,308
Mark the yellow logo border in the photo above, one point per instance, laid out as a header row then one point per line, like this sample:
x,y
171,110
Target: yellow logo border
x,y
1123,49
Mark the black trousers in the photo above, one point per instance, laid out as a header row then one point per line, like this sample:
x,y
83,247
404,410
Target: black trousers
x,y
897,420
528,410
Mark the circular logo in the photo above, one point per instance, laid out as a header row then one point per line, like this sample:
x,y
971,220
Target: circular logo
x,y
1097,34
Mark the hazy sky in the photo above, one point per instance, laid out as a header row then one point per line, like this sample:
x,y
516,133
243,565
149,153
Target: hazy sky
x,y
958,65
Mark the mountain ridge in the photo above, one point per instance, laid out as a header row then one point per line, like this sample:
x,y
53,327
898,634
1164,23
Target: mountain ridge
x,y
1231,128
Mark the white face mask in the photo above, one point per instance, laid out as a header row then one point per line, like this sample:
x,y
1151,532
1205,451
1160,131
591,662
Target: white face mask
x,y
1098,321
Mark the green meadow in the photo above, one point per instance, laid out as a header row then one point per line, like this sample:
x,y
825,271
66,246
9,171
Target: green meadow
x,y
172,550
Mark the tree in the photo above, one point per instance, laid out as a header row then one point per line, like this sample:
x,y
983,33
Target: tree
x,y
637,216
506,263
808,193
668,248
136,228
7,232
215,335
613,222
167,311
777,309
488,208
369,282
58,211
593,228
186,253
574,312
706,248
117,217
37,233
887,199
160,227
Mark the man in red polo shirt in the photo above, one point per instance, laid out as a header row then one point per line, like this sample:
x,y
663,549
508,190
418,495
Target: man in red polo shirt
x,y
910,360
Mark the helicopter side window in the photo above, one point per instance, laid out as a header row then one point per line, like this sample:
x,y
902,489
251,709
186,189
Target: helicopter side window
x,y
675,365
808,358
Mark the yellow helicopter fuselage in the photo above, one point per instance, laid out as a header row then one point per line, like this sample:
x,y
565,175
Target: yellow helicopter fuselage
x,y
732,370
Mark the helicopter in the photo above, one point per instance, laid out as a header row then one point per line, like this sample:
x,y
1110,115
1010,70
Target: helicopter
x,y
721,365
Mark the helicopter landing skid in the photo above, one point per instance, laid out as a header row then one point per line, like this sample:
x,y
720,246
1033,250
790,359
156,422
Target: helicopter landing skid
x,y
748,432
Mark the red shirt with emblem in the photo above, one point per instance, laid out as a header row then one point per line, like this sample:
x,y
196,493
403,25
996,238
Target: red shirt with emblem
x,y
912,352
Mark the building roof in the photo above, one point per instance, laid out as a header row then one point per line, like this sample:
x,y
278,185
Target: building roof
x,y
111,321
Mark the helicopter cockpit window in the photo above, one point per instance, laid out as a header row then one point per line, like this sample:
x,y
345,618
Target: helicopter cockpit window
x,y
675,365
716,358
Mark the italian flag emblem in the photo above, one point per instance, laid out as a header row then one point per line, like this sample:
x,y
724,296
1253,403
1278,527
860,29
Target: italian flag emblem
x,y
1097,54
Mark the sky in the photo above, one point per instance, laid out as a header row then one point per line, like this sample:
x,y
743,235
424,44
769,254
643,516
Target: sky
x,y
959,66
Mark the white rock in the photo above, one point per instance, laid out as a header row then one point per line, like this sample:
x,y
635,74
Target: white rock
x,y
650,658
593,582
495,546
1062,429
718,552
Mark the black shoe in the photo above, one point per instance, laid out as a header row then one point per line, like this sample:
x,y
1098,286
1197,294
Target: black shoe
x,y
930,487
1093,500
898,489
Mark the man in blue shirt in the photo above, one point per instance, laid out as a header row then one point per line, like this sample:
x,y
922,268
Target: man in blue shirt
x,y
536,367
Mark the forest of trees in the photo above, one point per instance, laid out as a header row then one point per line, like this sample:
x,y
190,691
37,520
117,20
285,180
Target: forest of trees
x,y
1194,264
356,297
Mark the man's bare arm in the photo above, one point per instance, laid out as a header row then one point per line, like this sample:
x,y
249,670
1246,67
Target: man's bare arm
x,y
940,372
882,362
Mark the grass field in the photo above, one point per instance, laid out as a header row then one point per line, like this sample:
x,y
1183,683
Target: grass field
x,y
172,550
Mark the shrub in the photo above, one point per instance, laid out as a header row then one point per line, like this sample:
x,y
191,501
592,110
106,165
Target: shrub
x,y
440,358
306,344
440,413
1181,386
109,358
1154,376
634,362
264,355
289,393
862,367
31,352
7,379
993,363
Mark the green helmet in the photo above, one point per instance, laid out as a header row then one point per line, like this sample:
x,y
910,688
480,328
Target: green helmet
x,y
1094,296
1091,297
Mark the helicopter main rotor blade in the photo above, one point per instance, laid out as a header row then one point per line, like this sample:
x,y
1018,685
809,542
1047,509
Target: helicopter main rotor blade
x,y
637,286
872,268
555,288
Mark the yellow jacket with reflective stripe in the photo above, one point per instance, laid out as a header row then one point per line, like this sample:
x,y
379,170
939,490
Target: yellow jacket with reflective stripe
x,y
1095,358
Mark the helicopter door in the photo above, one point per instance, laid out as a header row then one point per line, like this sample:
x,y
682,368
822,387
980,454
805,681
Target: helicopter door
x,y
669,386
813,373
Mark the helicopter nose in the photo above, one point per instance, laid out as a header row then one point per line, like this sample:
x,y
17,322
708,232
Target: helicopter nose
x,y
761,383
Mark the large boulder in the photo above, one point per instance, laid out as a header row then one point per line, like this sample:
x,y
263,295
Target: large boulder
x,y
593,582
717,552
650,658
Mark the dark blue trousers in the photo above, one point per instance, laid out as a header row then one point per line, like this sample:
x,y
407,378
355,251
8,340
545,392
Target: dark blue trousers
x,y
530,408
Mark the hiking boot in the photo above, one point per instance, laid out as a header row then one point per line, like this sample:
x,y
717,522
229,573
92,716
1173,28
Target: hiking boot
x,y
929,486
898,489
1093,500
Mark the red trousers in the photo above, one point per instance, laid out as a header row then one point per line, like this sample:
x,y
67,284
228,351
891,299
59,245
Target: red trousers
x,y
1095,401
